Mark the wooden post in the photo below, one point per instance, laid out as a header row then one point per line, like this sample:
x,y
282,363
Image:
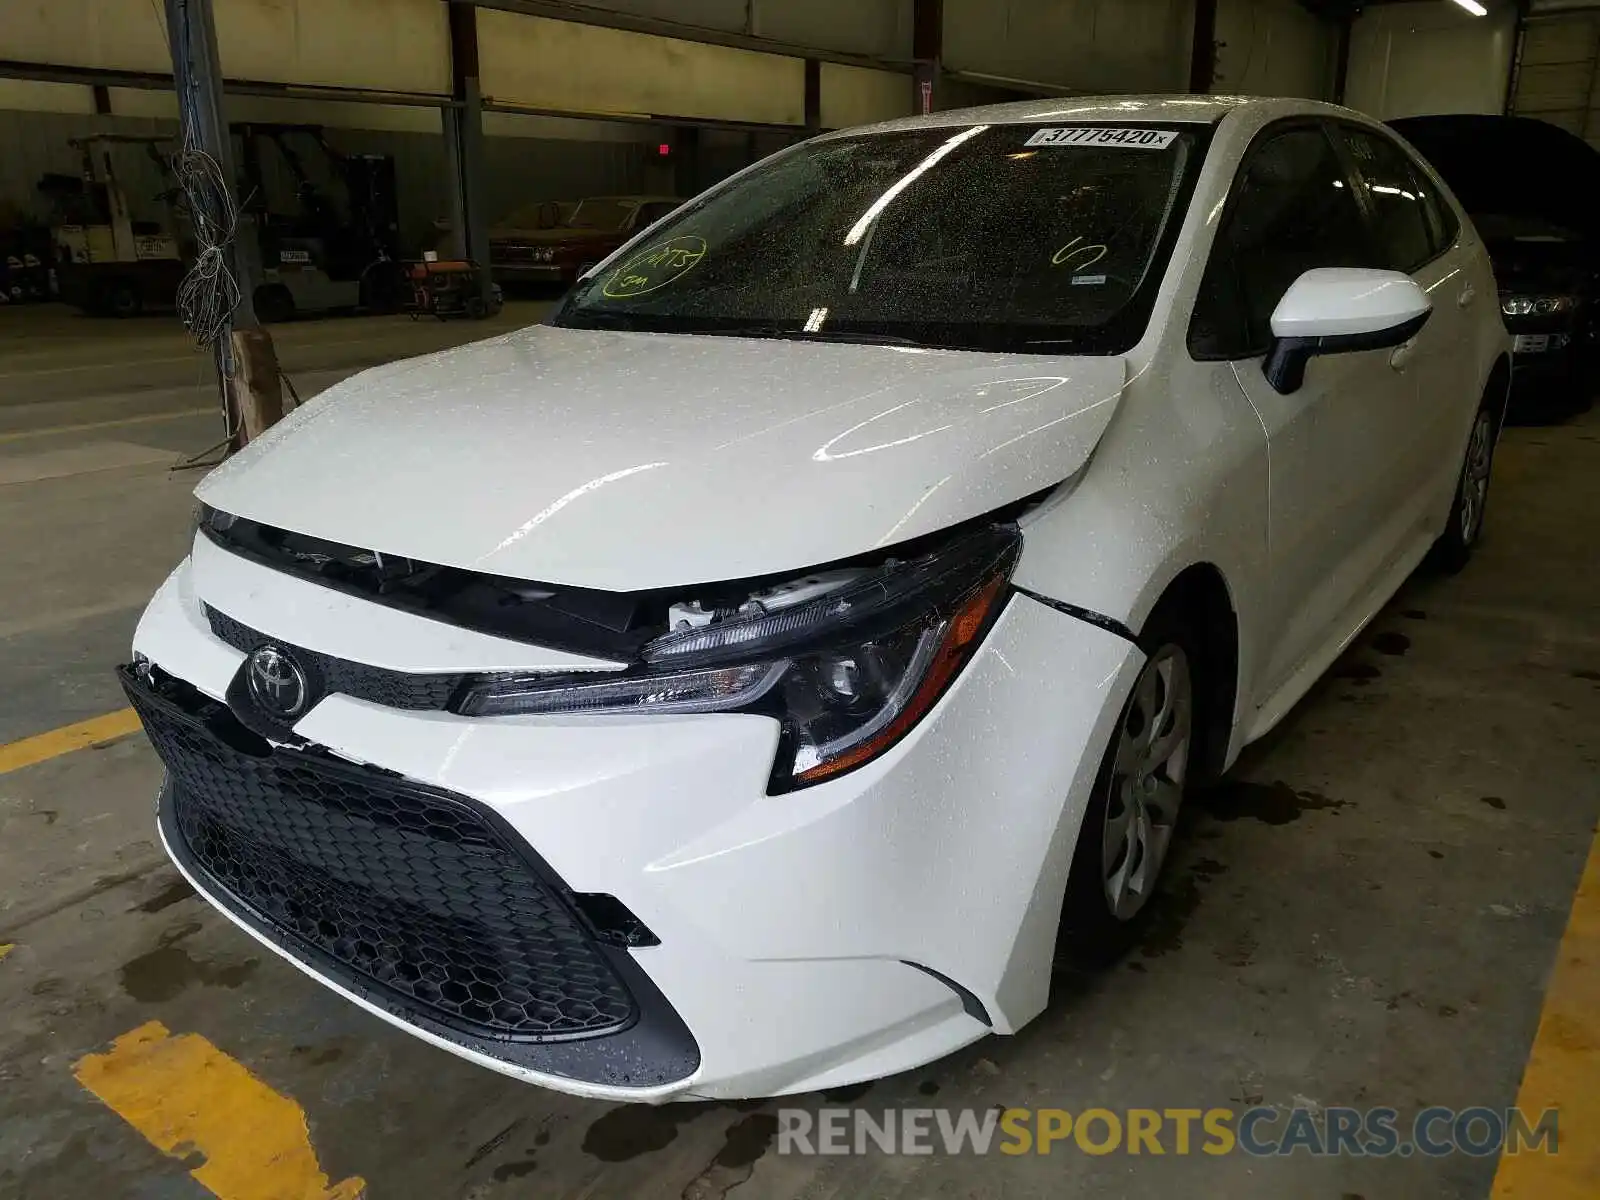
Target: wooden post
x,y
259,390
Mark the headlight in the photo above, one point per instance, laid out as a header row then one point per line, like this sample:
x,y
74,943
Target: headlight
x,y
1541,306
206,517
847,674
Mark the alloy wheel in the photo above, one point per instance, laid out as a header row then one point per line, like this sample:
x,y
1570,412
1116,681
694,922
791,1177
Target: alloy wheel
x,y
1475,479
1149,767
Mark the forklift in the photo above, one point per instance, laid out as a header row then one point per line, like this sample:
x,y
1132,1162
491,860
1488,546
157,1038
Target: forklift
x,y
326,223
106,261
320,228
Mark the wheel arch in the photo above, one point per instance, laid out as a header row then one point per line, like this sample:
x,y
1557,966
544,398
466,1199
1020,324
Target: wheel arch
x,y
1498,390
1200,598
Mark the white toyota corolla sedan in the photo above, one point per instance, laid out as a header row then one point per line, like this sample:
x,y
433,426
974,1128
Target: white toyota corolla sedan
x,y
758,676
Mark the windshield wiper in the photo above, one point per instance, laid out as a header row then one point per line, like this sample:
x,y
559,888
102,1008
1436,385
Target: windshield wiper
x,y
820,335
588,318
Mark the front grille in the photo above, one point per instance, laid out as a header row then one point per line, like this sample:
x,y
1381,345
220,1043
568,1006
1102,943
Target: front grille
x,y
415,891
393,689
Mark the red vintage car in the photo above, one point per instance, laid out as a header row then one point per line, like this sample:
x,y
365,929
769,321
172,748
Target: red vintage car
x,y
556,241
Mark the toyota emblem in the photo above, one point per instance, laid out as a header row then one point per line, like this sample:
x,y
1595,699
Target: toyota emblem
x,y
277,682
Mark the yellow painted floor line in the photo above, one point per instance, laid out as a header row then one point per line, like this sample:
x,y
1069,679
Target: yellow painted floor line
x,y
45,746
1563,1070
193,1102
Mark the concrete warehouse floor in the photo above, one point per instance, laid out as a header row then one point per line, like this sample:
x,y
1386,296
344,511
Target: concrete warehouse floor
x,y
1367,914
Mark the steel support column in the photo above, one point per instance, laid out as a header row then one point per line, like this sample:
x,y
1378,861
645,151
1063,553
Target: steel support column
x,y
1341,62
197,76
686,161
927,51
463,135
1203,53
1514,72
247,363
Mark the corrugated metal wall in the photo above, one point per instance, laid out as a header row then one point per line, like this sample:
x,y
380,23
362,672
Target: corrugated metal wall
x,y
1559,79
1411,60
1085,45
397,45
1273,48
880,28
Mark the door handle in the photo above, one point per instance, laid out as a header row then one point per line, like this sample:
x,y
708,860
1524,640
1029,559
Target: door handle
x,y
1401,358
1468,295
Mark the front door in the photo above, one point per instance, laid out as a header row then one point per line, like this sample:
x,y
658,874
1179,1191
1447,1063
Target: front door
x,y
1338,447
1417,233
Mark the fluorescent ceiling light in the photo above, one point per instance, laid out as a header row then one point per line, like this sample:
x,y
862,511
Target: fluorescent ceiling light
x,y
1473,7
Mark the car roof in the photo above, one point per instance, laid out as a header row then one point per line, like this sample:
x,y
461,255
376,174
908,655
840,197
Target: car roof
x,y
1190,110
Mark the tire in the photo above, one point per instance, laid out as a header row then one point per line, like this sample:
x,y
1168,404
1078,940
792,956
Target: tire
x,y
476,308
1464,528
1138,794
274,304
123,299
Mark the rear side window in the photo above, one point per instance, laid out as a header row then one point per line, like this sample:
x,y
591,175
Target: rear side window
x,y
1292,210
1441,217
1408,233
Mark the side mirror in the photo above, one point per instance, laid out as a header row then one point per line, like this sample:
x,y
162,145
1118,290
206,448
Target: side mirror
x,y
1338,310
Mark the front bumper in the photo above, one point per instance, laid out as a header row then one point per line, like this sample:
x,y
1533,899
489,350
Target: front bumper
x,y
528,272
840,933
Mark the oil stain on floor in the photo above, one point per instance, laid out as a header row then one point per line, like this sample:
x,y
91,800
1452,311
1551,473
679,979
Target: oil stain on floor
x,y
169,969
1392,644
1271,803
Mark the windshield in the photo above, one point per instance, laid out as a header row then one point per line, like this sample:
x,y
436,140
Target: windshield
x,y
546,214
608,215
1003,237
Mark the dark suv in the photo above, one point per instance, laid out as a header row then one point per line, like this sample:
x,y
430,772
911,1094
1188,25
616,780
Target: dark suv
x,y
1533,191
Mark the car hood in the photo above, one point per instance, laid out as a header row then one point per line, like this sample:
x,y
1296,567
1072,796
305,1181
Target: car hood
x,y
627,461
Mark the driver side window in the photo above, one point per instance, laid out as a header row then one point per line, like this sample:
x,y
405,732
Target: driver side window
x,y
1292,209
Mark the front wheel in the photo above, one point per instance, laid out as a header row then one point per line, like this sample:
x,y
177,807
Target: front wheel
x,y
274,304
1132,815
123,299
1454,548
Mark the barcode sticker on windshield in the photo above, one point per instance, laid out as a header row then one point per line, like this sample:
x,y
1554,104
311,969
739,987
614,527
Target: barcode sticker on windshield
x,y
1105,135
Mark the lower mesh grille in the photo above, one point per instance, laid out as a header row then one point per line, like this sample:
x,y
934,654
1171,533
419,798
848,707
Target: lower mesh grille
x,y
413,890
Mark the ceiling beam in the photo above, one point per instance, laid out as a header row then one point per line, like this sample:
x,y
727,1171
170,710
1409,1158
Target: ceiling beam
x,y
161,81
588,14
